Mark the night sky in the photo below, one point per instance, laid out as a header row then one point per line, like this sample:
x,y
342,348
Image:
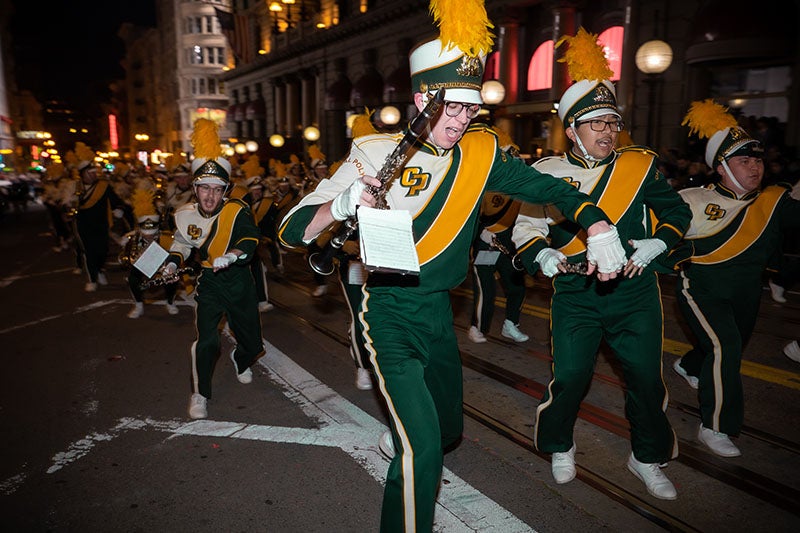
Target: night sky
x,y
70,51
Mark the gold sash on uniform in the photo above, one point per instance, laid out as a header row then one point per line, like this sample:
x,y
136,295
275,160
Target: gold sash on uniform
x,y
618,194
467,189
752,227
222,236
95,195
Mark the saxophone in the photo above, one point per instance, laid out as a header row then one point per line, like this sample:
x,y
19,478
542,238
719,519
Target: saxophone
x,y
322,262
130,252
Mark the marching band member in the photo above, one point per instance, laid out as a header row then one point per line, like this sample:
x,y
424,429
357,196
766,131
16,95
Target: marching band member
x,y
408,320
148,229
225,237
627,313
736,227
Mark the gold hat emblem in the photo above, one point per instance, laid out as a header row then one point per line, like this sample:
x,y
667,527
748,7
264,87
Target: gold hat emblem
x,y
470,67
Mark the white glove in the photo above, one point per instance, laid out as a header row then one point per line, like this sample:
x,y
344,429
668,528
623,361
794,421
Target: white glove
x,y
605,251
169,270
646,251
487,236
549,259
118,213
224,261
344,205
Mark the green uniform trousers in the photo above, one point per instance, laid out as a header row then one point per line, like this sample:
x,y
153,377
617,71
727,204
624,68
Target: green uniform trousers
x,y
722,322
627,314
484,290
414,352
230,293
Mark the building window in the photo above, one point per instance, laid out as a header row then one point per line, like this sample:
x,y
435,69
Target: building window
x,y
611,41
540,69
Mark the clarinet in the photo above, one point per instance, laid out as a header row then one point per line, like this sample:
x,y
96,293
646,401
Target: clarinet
x,y
322,262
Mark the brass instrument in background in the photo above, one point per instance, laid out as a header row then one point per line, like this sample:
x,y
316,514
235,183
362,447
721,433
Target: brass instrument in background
x,y
322,261
131,251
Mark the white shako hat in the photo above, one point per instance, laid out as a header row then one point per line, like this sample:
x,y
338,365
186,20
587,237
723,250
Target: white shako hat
x,y
587,99
455,60
592,94
726,138
209,166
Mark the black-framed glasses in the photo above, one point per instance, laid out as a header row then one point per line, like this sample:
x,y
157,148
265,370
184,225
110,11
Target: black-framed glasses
x,y
600,125
453,109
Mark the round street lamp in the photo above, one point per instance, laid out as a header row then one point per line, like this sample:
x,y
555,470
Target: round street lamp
x,y
240,148
390,115
251,146
652,59
492,92
276,140
311,134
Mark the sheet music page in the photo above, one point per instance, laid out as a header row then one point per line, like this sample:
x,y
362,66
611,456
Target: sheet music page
x,y
387,241
486,257
151,259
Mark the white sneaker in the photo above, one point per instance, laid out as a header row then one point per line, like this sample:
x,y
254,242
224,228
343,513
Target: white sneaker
x,y
777,292
657,483
562,465
717,442
321,290
102,279
386,445
363,379
475,335
691,380
197,406
243,377
90,287
263,307
511,331
172,309
792,351
137,311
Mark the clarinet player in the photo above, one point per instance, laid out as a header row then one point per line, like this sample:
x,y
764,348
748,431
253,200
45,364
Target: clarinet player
x,y
407,320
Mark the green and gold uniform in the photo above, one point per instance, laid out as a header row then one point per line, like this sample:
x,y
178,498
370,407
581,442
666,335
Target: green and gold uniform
x,y
728,245
626,312
408,321
230,292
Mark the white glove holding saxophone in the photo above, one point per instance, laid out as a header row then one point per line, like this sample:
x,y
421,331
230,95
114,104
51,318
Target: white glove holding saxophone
x,y
224,261
549,260
345,203
487,236
606,251
168,270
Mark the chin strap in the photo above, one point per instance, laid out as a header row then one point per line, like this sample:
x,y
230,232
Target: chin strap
x,y
580,143
732,177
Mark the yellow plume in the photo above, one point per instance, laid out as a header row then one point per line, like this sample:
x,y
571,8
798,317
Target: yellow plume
x,y
252,167
174,160
83,152
280,169
707,118
142,202
71,158
362,124
315,153
205,139
585,58
463,23
294,159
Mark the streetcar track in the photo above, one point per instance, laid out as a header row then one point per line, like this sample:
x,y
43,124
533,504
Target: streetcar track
x,y
771,491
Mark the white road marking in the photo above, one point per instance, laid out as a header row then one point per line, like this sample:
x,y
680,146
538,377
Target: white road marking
x,y
341,425
85,308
